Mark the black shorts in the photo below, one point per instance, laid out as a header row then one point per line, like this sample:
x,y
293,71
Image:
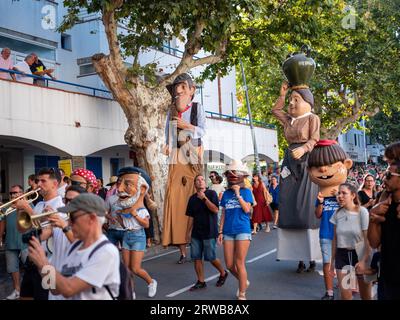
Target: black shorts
x,y
274,206
345,257
31,285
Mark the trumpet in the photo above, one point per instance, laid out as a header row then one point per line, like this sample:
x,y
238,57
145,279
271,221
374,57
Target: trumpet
x,y
38,221
9,203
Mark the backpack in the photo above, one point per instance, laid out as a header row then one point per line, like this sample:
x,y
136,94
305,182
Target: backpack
x,y
126,279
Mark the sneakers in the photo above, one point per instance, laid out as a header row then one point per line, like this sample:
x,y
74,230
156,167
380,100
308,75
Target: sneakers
x,y
312,266
327,297
13,296
275,226
242,296
221,279
182,260
198,285
267,228
152,289
133,295
301,267
238,293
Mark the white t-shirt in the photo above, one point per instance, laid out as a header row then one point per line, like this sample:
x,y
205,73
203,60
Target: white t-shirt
x,y
23,67
61,191
131,223
60,242
218,188
112,208
349,227
100,270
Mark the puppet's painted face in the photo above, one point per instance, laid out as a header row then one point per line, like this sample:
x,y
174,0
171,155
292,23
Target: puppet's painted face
x,y
297,105
235,177
330,175
183,95
128,191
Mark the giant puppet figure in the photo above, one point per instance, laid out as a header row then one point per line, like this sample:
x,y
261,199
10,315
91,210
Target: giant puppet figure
x,y
328,166
298,226
184,130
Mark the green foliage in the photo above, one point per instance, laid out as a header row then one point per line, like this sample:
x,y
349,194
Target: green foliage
x,y
385,128
363,60
148,23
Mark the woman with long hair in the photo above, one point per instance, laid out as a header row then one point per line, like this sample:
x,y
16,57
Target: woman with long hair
x,y
261,212
367,193
350,246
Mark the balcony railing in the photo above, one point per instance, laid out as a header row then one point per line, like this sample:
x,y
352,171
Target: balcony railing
x,y
108,95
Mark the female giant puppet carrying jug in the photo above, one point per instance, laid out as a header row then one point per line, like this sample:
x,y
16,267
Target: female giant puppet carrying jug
x,y
298,233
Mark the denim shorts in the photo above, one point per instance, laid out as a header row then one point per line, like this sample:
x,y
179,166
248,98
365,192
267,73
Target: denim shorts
x,y
115,236
13,258
134,240
239,236
206,247
326,250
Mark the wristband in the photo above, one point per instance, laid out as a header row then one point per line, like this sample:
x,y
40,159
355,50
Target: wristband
x,y
66,229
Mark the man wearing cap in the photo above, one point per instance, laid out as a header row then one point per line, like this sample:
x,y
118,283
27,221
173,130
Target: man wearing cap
x,y
297,222
134,217
86,274
184,130
84,178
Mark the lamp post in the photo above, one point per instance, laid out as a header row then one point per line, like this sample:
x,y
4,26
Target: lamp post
x,y
253,136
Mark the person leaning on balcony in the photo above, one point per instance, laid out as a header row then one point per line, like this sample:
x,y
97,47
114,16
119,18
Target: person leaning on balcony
x,y
24,68
39,69
6,63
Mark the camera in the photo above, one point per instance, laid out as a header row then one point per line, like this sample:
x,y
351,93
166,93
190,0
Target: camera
x,y
26,237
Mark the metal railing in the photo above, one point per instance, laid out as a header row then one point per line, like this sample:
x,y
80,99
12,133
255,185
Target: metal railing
x,y
93,90
49,80
240,120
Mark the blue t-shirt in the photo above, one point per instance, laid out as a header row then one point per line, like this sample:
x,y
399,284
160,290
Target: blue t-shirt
x,y
329,208
274,193
236,220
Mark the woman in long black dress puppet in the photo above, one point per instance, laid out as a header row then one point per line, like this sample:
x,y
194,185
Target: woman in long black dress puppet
x,y
298,233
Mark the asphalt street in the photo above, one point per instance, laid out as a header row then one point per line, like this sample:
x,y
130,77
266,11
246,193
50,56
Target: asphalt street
x,y
269,279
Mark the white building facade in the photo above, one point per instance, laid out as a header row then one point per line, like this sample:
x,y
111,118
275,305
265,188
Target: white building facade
x,y
39,126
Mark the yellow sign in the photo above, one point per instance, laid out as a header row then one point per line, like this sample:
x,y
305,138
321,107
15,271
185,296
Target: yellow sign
x,y
66,165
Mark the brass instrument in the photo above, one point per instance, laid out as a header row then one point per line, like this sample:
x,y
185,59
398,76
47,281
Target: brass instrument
x,y
38,221
9,203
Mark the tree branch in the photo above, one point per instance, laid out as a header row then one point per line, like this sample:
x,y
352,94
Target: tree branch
x,y
110,25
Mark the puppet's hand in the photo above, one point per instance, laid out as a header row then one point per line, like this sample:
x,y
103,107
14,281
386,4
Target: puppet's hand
x,y
298,153
284,89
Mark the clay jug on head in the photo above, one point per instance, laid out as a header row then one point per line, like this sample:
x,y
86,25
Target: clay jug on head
x,y
299,68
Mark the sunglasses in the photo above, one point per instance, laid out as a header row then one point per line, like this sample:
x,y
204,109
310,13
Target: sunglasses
x,y
211,177
74,217
14,192
388,175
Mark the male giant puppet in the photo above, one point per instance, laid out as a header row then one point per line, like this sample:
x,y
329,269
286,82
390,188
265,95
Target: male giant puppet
x,y
298,227
184,130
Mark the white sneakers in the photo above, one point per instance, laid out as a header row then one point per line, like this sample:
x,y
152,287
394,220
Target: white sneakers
x,y
238,293
152,289
133,295
13,296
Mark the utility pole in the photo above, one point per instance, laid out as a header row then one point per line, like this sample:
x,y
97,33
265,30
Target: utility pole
x,y
253,135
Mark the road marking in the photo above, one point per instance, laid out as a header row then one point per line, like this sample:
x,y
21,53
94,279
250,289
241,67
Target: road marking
x,y
162,254
261,256
175,293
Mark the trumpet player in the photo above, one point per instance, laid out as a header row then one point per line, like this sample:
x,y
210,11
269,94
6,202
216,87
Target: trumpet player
x,y
15,248
48,182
